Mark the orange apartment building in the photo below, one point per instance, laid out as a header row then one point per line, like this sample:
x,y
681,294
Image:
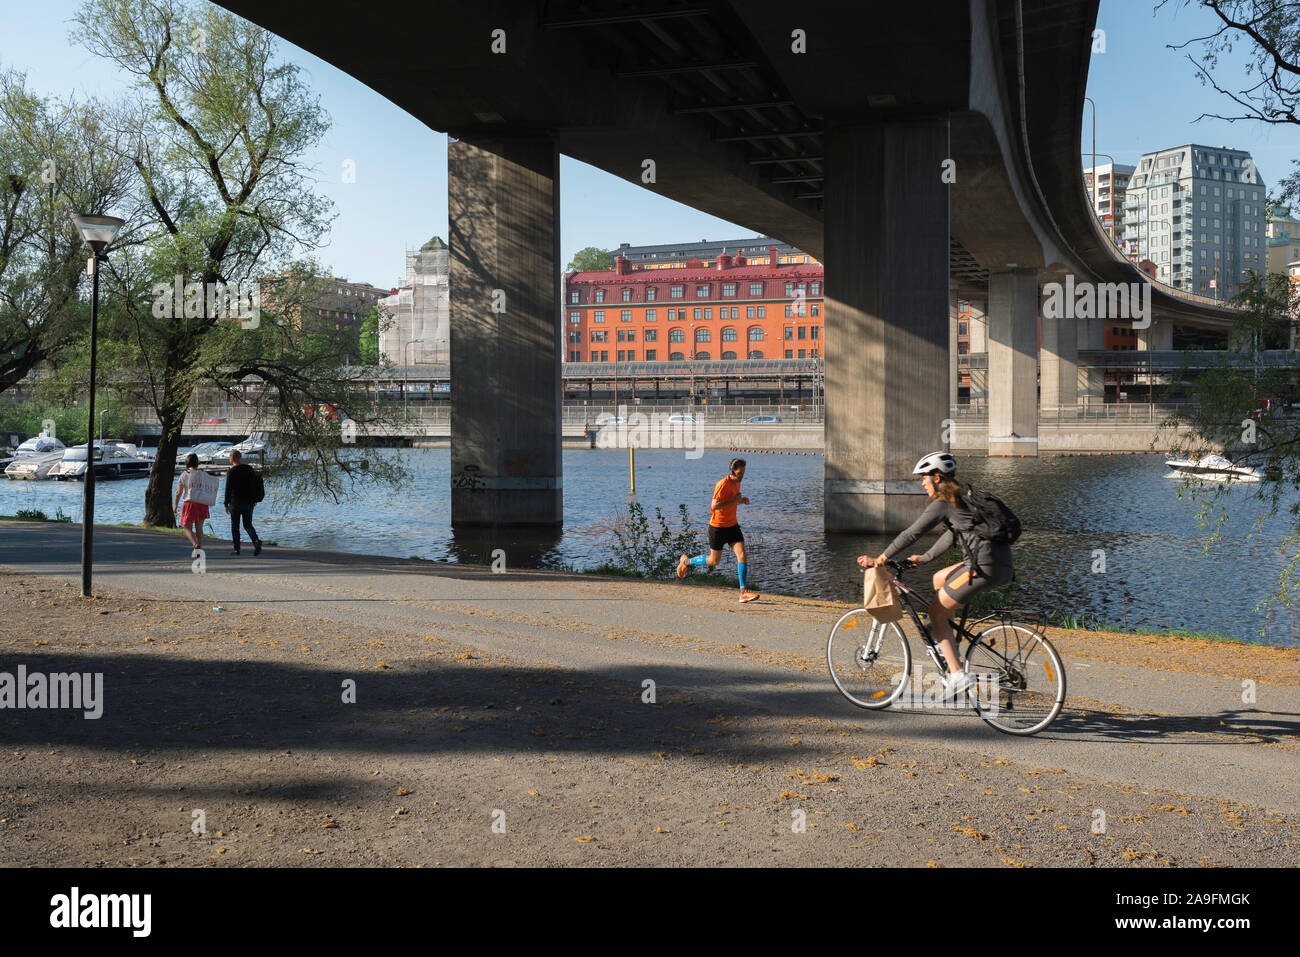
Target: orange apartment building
x,y
735,307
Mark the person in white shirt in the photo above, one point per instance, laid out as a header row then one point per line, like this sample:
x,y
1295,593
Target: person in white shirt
x,y
193,514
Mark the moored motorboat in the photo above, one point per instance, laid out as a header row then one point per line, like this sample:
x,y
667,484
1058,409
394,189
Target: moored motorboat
x,y
1213,467
113,459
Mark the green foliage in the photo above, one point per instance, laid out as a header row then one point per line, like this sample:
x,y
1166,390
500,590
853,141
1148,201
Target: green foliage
x,y
36,515
591,259
650,549
369,346
70,420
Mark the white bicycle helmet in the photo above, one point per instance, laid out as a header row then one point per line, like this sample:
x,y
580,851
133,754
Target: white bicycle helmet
x,y
936,462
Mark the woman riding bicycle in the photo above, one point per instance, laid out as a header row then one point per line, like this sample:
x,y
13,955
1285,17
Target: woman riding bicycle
x,y
986,564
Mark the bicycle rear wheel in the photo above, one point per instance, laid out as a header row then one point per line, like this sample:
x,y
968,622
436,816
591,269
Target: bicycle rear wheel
x,y
1019,679
869,660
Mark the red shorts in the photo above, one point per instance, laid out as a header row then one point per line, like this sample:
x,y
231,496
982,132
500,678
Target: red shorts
x,y
192,512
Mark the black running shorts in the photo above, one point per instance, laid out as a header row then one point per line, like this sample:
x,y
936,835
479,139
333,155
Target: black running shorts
x,y
720,538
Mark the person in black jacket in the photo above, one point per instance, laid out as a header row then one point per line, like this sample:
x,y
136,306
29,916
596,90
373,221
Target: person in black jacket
x,y
242,486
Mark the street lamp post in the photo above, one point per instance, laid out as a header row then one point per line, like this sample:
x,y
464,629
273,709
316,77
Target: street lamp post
x,y
405,370
101,424
98,232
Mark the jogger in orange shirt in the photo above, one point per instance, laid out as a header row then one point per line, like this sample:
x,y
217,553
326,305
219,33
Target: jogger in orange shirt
x,y
724,530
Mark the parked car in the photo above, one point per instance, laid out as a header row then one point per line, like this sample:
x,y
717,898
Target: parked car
x,y
683,419
607,418
763,419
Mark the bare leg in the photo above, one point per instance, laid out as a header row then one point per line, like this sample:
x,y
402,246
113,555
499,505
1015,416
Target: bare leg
x,y
940,611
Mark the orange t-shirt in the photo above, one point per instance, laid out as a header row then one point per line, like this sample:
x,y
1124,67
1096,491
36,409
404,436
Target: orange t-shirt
x,y
725,489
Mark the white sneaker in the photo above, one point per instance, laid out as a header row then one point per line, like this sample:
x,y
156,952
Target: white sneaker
x,y
957,684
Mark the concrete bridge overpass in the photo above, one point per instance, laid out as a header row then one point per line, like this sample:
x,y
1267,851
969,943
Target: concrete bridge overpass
x,y
825,124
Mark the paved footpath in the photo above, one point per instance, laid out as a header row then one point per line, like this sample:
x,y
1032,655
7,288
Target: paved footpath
x,y
1129,728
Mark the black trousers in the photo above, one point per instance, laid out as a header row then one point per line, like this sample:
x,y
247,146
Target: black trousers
x,y
240,510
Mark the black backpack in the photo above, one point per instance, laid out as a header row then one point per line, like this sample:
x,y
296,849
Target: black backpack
x,y
994,522
259,492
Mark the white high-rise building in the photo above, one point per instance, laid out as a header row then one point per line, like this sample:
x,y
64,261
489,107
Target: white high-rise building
x,y
1108,199
415,320
1197,213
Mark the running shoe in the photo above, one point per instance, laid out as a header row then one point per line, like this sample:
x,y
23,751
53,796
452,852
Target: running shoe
x,y
747,596
956,685
682,564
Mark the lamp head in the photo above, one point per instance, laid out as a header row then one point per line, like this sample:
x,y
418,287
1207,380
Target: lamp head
x,y
97,231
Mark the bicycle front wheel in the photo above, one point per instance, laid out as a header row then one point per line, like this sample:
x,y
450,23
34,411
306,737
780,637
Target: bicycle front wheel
x,y
1019,679
869,660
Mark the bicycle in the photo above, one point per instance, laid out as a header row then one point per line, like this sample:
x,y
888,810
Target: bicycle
x,y
1019,677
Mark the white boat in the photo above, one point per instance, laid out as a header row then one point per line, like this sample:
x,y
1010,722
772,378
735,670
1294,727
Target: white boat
x,y
1215,468
34,458
33,467
113,459
208,452
257,443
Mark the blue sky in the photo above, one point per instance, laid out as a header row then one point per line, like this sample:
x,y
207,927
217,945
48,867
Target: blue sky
x,y
1147,98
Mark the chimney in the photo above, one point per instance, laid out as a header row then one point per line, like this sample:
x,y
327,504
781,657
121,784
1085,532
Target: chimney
x,y
772,258
621,265
724,261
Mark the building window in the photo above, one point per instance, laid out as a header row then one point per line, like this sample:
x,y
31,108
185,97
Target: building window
x,y
702,355
816,332
677,335
625,315
621,355
708,312
756,334
703,335
604,356
575,335
789,289
651,335
627,295
756,289
755,354
749,312
631,355
598,315
573,296
675,292
650,315
728,288
575,356
729,335
650,355
599,335
789,311
702,292
789,332
672,315
812,353
675,357
816,310
650,294
600,295
575,317
762,311
803,333
815,289
803,354
728,355
697,312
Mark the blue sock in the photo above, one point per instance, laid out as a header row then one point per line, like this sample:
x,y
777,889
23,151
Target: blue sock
x,y
741,566
700,560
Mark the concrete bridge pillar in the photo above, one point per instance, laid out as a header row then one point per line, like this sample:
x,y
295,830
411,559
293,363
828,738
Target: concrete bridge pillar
x,y
1159,335
503,212
1013,362
1091,336
886,320
1058,366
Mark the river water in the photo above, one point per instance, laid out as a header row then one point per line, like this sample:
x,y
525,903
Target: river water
x,y
1157,573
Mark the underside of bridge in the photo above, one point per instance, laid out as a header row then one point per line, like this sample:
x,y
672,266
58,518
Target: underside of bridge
x,y
921,153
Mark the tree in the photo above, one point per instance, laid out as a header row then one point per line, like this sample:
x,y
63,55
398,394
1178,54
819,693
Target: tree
x,y
215,132
591,259
1243,407
370,337
56,159
1270,92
